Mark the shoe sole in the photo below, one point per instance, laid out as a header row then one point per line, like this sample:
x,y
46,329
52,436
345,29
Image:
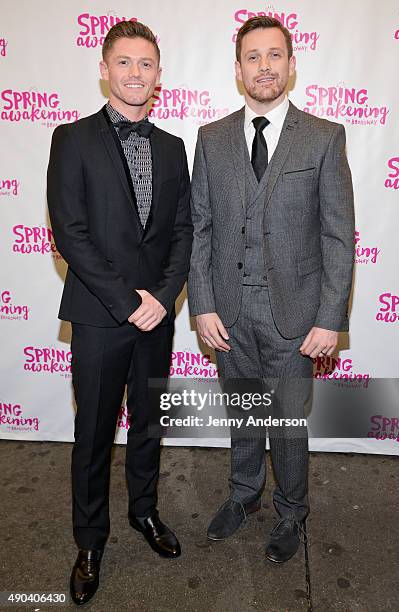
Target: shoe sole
x,y
283,561
275,560
251,508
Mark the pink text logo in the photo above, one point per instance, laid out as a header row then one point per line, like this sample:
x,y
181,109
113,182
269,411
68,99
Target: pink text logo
x,y
30,240
3,47
34,106
183,103
48,359
329,368
392,182
12,419
384,428
387,312
365,255
301,40
123,418
190,365
11,311
94,28
338,102
9,187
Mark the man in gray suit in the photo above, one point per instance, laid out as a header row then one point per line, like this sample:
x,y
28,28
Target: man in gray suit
x,y
271,266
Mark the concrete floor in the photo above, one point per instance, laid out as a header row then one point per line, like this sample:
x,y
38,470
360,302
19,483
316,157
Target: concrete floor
x,y
353,533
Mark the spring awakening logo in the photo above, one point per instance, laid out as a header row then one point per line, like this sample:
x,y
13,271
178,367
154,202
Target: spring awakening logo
x,y
340,102
392,181
185,104
94,28
191,365
388,312
123,418
365,254
384,428
48,359
9,187
35,106
3,47
339,370
11,311
302,40
12,419
33,240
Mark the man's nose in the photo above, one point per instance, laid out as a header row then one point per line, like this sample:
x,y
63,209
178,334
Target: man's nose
x,y
134,70
264,64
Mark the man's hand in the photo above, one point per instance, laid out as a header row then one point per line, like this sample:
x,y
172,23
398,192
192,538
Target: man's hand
x,y
149,313
212,331
319,342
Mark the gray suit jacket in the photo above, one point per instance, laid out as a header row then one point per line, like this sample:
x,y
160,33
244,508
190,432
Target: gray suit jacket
x,y
308,224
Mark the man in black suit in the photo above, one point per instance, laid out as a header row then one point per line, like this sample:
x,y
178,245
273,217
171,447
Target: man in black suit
x,y
118,195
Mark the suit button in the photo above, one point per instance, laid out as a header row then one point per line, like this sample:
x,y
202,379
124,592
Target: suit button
x,y
239,265
110,305
243,230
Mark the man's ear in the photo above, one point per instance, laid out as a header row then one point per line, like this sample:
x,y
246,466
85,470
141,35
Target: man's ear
x,y
292,65
237,66
104,70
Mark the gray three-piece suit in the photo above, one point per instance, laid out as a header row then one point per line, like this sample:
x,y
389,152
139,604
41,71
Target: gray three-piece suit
x,y
272,259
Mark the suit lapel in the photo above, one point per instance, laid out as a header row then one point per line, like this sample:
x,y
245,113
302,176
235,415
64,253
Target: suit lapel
x,y
115,151
284,144
239,150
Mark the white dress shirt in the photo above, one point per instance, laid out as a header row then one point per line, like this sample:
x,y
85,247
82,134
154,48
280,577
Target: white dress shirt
x,y
271,132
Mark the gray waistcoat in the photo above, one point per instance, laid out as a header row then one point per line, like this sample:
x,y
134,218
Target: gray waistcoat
x,y
254,262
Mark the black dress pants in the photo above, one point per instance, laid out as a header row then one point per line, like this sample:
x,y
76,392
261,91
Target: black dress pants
x,y
104,361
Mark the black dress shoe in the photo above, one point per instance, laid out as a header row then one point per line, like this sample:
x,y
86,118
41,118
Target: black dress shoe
x,y
284,540
229,517
158,535
85,576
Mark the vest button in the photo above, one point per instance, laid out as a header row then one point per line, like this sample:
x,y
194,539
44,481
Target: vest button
x,y
243,230
239,265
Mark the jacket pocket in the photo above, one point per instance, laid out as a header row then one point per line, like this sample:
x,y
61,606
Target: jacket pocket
x,y
309,265
298,174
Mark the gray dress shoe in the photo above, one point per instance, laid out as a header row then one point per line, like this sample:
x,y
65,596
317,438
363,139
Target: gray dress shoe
x,y
229,517
284,540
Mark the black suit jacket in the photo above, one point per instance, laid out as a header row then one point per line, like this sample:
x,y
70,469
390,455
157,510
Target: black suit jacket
x,y
97,229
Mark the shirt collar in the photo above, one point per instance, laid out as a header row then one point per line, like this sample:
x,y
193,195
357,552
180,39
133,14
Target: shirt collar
x,y
116,116
276,116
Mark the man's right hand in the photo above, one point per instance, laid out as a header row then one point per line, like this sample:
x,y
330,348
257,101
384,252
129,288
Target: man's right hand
x,y
212,331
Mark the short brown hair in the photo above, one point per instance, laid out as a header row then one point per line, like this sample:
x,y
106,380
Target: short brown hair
x,y
129,29
262,22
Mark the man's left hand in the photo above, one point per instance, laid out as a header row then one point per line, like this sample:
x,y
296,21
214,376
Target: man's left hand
x,y
319,342
149,314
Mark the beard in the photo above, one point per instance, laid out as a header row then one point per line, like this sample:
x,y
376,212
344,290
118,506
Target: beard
x,y
266,95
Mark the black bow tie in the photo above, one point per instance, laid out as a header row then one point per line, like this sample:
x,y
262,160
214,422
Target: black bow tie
x,y
143,128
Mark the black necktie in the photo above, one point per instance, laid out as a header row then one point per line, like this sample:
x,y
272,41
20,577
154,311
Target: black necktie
x,y
143,128
259,156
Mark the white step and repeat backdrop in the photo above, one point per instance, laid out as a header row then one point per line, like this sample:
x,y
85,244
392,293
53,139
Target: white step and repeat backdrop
x,y
347,64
